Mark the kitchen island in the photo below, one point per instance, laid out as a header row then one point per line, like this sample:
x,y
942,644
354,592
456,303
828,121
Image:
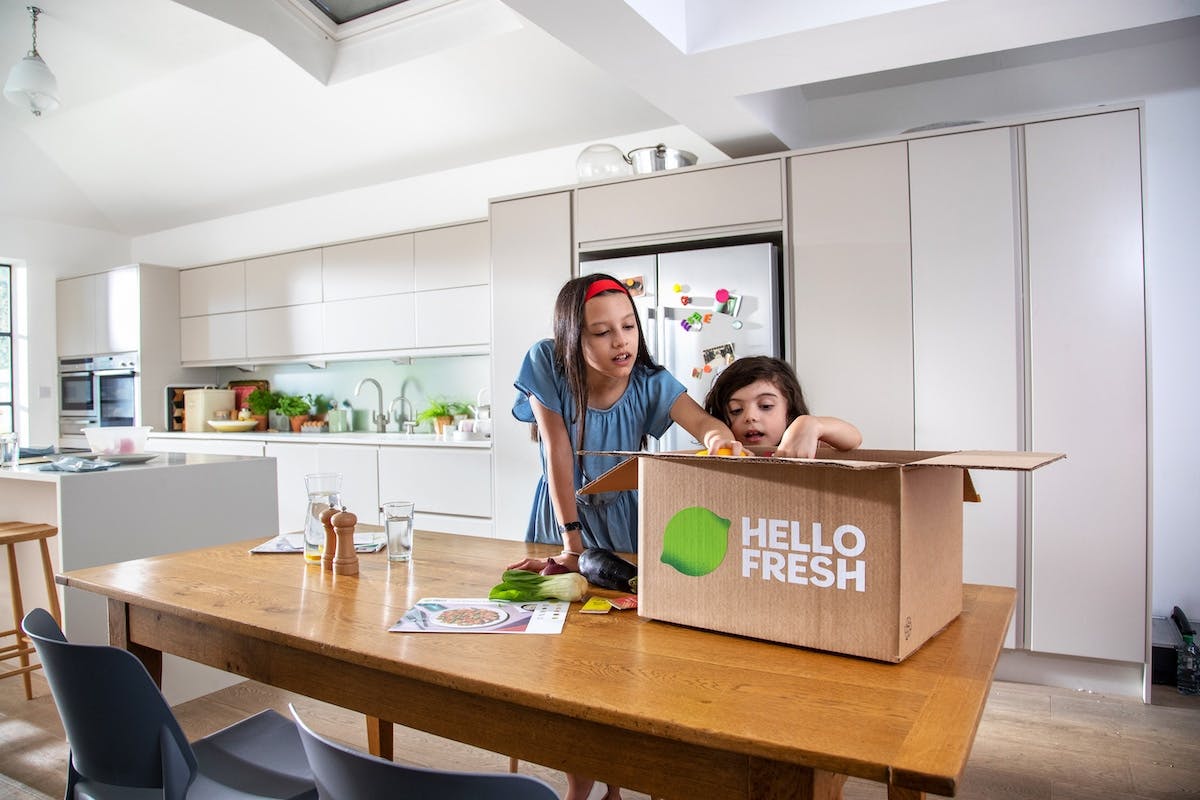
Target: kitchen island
x,y
174,502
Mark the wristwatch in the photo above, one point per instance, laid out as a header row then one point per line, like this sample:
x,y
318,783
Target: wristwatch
x,y
571,526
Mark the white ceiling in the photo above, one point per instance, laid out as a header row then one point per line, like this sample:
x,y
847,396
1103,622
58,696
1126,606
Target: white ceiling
x,y
174,112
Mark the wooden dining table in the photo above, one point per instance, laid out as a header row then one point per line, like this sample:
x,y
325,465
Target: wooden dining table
x,y
672,711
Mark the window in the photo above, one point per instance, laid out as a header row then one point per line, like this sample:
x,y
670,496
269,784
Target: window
x,y
6,350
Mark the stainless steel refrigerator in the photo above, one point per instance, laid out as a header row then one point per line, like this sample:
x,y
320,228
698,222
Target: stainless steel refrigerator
x,y
701,309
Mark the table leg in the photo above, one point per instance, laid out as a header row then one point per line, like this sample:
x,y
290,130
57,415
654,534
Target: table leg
x,y
118,636
379,737
772,779
896,793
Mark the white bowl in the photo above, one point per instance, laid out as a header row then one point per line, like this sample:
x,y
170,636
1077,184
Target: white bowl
x,y
233,425
117,440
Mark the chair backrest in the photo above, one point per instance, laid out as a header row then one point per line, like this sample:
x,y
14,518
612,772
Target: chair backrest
x,y
343,773
119,726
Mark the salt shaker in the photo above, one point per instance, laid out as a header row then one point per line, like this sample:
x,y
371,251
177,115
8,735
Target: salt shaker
x,y
346,560
330,538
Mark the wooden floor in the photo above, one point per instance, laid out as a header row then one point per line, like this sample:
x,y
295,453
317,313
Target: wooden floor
x,y
1034,742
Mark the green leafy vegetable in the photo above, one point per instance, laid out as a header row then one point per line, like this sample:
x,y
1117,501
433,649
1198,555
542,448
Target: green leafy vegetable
x,y
522,585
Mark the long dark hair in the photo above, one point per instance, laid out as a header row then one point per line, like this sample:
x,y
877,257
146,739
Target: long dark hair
x,y
745,371
568,342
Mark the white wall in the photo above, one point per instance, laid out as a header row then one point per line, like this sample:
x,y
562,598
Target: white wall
x,y
1172,193
41,253
421,202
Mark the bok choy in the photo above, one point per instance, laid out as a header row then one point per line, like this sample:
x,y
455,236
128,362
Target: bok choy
x,y
523,585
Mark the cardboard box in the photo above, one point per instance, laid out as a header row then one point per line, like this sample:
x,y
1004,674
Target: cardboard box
x,y
855,552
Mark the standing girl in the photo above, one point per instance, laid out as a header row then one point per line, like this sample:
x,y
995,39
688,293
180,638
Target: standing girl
x,y
595,387
760,398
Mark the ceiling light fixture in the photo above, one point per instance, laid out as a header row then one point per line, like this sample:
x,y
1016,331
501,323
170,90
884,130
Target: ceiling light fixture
x,y
30,82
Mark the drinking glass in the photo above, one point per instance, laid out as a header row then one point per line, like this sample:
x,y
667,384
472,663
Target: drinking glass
x,y
324,491
398,523
10,452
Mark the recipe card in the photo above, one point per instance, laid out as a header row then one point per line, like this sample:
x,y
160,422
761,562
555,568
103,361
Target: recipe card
x,y
480,615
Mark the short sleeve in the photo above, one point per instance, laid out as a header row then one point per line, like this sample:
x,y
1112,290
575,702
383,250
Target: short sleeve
x,y
662,389
538,378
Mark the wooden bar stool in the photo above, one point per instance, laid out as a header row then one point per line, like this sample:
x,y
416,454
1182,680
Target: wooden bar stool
x,y
10,534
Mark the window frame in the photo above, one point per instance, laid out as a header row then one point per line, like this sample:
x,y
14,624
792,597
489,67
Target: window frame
x,y
7,334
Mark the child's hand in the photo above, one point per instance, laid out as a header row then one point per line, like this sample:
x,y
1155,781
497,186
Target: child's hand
x,y
716,443
801,438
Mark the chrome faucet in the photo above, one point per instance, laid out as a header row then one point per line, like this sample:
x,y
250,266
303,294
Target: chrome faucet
x,y
402,418
378,417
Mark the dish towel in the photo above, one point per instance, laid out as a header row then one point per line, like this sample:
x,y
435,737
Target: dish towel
x,y
74,464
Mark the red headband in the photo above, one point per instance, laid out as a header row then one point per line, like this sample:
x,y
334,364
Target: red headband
x,y
603,285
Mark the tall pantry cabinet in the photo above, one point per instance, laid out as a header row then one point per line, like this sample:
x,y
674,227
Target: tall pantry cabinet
x,y
984,290
531,259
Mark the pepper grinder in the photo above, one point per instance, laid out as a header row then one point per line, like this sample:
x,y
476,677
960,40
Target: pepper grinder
x,y
346,560
330,538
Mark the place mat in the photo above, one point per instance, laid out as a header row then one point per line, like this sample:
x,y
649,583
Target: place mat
x,y
481,615
294,543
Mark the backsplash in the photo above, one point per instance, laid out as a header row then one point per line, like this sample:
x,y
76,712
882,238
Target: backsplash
x,y
453,378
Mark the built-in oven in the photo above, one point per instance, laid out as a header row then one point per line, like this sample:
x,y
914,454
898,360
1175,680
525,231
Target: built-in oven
x,y
76,388
116,382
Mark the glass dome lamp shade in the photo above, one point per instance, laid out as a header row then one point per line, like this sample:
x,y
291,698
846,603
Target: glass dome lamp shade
x,y
30,82
32,85
599,162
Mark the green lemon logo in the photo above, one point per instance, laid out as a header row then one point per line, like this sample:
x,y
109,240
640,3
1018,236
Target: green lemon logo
x,y
695,541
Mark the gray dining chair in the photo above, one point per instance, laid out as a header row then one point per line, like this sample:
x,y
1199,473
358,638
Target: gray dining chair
x,y
343,773
125,741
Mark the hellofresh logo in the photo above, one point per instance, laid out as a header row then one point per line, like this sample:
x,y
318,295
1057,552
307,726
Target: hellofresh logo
x,y
696,542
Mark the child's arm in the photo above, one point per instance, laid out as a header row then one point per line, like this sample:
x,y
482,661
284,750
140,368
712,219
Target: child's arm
x,y
560,480
705,427
802,437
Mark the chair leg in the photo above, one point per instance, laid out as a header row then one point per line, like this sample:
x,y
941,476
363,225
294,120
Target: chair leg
x,y
514,764
14,582
51,589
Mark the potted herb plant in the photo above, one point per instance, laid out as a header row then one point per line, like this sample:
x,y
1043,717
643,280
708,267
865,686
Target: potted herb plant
x,y
261,403
318,405
441,413
295,408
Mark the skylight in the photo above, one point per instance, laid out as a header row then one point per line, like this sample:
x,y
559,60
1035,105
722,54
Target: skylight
x,y
343,11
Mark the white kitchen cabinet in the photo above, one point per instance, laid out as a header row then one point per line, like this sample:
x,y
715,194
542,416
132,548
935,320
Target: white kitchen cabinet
x,y
370,323
357,464
368,268
220,447
118,311
98,313
451,487
459,255
75,304
663,204
286,331
219,289
967,332
293,460
287,279
451,317
213,337
531,259
852,301
1088,386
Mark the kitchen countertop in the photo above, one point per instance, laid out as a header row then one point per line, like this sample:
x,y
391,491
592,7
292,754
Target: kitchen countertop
x,y
34,472
357,437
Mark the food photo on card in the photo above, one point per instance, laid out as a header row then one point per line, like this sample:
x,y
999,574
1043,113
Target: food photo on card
x,y
480,615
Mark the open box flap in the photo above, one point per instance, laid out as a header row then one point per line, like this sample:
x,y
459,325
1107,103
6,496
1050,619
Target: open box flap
x,y
991,459
624,476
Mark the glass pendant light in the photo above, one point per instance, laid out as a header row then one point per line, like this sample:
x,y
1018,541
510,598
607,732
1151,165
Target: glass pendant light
x,y
30,82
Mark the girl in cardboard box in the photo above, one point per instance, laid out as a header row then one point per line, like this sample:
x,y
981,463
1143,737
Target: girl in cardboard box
x,y
760,398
